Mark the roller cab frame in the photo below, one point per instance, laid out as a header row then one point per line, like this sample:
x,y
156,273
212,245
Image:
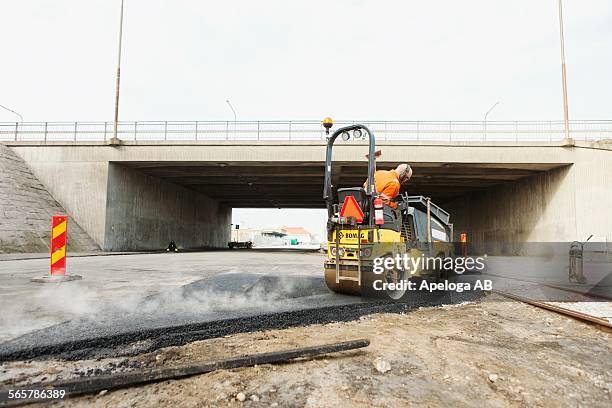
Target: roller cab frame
x,y
417,227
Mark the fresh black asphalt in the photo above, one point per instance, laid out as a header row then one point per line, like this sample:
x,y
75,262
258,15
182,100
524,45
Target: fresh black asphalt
x,y
208,308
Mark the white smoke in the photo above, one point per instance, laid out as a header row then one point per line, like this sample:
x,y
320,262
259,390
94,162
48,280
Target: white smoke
x,y
56,303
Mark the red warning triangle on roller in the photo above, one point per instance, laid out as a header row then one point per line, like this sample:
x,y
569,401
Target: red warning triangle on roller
x,y
350,208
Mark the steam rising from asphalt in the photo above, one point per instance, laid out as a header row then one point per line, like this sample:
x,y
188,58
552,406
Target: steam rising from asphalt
x,y
55,303
261,294
51,304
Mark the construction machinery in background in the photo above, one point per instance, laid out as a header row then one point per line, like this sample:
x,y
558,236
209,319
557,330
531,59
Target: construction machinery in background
x,y
361,229
240,244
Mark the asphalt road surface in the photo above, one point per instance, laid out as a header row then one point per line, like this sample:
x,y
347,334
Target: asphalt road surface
x,y
128,304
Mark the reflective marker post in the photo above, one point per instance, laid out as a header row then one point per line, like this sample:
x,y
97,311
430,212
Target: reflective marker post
x,y
59,231
463,240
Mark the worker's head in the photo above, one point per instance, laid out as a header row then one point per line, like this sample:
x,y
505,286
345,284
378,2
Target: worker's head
x,y
404,172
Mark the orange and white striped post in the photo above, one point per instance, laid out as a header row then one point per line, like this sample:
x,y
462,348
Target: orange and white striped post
x,y
59,231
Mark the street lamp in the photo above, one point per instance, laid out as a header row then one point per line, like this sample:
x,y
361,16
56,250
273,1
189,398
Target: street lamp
x,y
17,123
233,111
232,108
12,111
114,140
563,74
485,118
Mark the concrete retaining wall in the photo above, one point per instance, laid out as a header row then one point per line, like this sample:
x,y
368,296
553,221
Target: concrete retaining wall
x,y
561,205
121,208
535,209
144,212
26,208
592,178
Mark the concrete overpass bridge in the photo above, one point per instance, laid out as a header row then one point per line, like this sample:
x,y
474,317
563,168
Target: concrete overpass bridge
x,y
142,193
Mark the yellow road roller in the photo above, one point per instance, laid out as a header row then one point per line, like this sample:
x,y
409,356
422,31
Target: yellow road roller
x,y
363,233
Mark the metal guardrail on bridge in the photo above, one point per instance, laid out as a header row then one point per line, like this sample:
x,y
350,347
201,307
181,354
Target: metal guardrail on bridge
x,y
304,130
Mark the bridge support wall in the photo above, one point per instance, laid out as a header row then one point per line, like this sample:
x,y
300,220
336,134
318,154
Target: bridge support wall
x,y
144,212
561,205
500,219
124,210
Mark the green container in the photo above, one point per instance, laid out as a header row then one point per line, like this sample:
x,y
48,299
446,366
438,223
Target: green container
x,y
294,241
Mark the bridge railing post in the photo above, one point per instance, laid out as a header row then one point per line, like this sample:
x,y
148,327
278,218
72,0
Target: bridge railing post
x,y
516,131
484,133
75,131
258,130
587,130
166,130
45,132
550,130
226,130
196,130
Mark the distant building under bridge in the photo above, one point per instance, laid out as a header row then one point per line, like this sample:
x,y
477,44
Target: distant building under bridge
x,y
283,236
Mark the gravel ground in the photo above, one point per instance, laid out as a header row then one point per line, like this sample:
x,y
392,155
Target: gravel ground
x,y
494,353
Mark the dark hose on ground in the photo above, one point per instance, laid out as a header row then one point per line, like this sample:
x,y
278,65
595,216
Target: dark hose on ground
x,y
95,384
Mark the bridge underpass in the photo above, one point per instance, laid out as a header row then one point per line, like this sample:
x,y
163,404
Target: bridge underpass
x,y
300,185
139,195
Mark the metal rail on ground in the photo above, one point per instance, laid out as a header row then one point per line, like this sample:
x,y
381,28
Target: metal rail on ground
x,y
557,309
599,296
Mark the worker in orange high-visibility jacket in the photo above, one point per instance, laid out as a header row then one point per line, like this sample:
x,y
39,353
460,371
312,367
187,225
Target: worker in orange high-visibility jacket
x,y
389,182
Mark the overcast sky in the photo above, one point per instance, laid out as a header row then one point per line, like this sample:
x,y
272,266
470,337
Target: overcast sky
x,y
304,59
415,60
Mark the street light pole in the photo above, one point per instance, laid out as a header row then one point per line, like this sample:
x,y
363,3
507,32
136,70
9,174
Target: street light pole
x,y
17,123
115,139
232,108
12,111
563,74
485,118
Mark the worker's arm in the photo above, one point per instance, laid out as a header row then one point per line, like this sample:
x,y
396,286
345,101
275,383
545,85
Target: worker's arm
x,y
390,191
